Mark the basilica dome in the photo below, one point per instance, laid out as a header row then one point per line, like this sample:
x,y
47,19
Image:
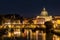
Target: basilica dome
x,y
44,12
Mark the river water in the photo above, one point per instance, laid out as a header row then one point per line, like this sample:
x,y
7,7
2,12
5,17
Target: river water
x,y
29,35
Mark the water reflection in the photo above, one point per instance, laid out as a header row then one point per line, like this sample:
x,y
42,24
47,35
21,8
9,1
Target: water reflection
x,y
28,35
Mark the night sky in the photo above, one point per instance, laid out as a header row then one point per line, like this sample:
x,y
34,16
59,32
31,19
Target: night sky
x,y
29,8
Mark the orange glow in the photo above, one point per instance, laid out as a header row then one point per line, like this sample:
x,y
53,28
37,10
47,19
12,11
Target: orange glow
x,y
58,21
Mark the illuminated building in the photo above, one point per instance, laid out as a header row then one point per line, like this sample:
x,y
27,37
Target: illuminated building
x,y
57,19
56,22
12,22
25,21
43,17
38,21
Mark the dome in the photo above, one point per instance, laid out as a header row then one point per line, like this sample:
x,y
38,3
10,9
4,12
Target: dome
x,y
44,12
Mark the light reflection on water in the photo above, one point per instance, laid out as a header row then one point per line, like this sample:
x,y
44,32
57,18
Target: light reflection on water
x,y
38,35
41,36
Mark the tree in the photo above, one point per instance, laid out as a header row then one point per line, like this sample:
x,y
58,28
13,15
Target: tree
x,y
49,26
30,21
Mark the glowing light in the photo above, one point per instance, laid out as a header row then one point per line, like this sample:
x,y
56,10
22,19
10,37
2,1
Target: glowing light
x,y
38,17
58,21
17,32
9,34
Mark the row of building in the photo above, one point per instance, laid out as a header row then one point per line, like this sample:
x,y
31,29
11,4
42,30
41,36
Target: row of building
x,y
15,20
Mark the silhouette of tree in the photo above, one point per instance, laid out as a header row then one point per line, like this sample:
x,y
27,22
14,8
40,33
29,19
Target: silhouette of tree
x,y
30,21
49,25
1,20
21,19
